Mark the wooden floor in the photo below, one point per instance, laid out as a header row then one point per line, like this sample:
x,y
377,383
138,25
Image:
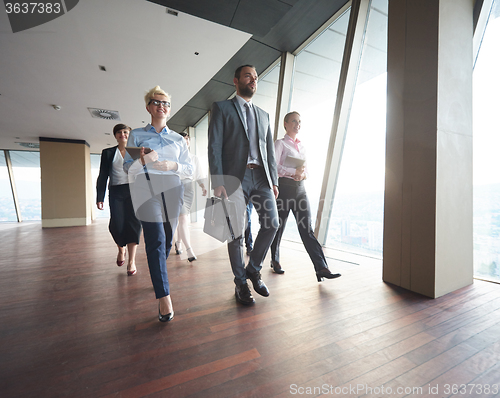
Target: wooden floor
x,y
72,324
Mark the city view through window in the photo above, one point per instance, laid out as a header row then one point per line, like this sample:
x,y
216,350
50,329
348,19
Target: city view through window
x,y
486,145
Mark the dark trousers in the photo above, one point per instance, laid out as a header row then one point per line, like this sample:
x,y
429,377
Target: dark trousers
x,y
293,197
255,188
123,224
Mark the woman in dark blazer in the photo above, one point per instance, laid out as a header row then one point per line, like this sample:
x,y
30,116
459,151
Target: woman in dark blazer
x,y
123,224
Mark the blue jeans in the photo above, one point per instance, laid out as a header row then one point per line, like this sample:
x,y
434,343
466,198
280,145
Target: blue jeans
x,y
159,216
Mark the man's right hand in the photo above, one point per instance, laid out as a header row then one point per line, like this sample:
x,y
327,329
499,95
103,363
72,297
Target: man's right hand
x,y
220,192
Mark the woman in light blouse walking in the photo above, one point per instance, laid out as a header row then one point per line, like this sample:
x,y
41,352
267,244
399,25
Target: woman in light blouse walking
x,y
157,190
293,197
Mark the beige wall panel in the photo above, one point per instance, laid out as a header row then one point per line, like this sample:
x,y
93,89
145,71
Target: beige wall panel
x,y
65,182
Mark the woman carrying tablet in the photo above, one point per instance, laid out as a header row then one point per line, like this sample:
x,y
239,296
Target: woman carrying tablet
x,y
290,157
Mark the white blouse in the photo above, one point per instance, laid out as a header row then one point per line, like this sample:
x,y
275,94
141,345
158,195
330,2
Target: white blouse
x,y
118,176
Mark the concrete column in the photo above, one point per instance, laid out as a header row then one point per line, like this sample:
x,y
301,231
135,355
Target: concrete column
x,y
67,191
428,192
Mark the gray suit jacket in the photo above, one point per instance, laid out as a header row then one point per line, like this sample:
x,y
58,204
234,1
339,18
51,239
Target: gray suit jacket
x,y
228,144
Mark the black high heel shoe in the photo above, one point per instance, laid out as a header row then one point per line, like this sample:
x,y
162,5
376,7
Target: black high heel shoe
x,y
192,257
178,250
165,318
325,273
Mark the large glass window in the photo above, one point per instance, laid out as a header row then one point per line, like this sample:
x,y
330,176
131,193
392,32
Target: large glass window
x,y
266,98
267,93
7,209
356,222
315,82
486,146
199,145
26,170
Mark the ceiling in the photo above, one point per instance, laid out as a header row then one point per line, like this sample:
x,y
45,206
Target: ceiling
x,y
192,55
139,44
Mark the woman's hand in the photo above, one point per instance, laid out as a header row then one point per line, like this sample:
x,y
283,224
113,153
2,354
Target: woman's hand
x,y
148,157
166,165
300,173
100,205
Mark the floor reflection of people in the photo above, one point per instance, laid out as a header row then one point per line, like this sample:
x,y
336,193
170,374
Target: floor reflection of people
x,y
124,227
293,197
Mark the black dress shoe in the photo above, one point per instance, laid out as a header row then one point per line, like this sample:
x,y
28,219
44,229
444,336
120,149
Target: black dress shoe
x,y
325,273
277,267
165,318
243,295
258,285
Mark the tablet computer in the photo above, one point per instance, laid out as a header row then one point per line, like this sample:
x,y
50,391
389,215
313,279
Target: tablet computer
x,y
135,151
293,162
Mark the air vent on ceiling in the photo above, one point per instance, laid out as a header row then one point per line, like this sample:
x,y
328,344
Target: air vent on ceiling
x,y
104,114
172,12
31,145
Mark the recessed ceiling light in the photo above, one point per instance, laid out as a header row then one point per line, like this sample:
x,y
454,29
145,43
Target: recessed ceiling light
x,y
196,53
102,67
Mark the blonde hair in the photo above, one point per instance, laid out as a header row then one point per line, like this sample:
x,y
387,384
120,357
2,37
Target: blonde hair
x,y
156,91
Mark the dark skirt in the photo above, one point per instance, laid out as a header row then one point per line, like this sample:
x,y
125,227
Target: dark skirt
x,y
123,224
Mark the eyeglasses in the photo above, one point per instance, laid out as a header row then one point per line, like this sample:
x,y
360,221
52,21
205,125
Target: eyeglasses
x,y
166,104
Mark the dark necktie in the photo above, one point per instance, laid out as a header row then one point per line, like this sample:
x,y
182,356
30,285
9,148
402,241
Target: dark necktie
x,y
252,134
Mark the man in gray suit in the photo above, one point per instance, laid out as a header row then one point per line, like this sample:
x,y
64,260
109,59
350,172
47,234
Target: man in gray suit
x,y
243,168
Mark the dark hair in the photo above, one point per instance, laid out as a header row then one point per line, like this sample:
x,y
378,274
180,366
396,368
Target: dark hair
x,y
184,134
237,72
121,126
